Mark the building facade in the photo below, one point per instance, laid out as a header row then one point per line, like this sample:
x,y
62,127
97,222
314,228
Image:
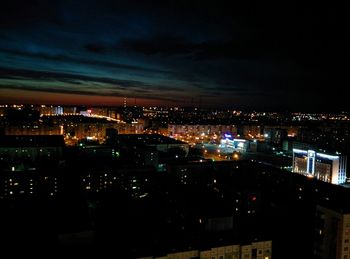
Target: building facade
x,y
255,250
324,167
332,234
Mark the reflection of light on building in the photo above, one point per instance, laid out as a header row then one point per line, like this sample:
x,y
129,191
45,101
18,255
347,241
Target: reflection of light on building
x,y
234,145
327,168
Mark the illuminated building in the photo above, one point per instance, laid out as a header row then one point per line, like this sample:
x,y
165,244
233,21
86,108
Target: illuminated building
x,y
101,111
58,110
234,144
324,167
259,250
28,184
200,130
70,110
46,110
230,144
97,129
130,128
29,166
134,181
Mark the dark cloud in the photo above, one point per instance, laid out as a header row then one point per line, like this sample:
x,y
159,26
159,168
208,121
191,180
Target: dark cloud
x,y
137,93
161,44
95,48
270,52
101,86
17,13
59,90
75,79
168,45
82,60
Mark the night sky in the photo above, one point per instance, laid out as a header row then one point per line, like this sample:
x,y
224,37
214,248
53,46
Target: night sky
x,y
240,54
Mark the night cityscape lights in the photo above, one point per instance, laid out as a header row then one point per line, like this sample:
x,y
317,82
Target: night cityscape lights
x,y
174,129
186,174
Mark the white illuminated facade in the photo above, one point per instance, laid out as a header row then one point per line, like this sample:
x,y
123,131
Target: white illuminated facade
x,y
233,144
58,110
324,167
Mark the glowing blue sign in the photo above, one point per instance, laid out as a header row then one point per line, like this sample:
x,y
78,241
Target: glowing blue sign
x,y
228,136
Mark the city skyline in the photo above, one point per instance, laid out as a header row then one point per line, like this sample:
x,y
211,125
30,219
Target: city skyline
x,y
245,55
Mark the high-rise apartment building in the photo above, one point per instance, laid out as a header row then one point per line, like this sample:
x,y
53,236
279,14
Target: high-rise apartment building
x,y
332,234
